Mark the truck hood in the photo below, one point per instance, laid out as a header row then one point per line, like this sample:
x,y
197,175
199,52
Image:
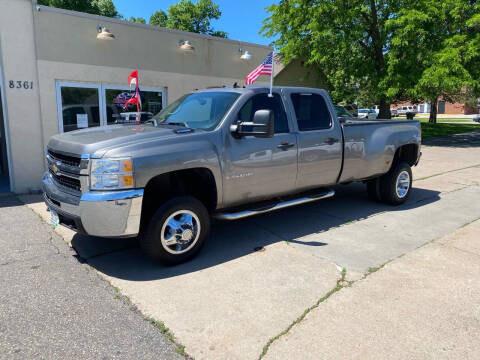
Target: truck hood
x,y
98,140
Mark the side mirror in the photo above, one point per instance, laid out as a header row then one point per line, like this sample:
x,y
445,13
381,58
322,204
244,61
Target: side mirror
x,y
263,125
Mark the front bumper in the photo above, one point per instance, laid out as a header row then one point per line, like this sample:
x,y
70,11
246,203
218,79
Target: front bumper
x,y
97,213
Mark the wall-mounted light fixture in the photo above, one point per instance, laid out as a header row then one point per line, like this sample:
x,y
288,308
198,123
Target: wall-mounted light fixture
x,y
104,34
246,56
185,45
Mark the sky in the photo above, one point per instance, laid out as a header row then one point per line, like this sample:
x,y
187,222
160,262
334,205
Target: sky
x,y
241,19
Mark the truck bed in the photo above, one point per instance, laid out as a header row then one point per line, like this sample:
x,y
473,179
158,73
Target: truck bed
x,y
371,144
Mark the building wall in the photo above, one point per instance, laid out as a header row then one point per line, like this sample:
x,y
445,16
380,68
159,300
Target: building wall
x,y
450,108
54,45
22,106
294,74
71,37
458,108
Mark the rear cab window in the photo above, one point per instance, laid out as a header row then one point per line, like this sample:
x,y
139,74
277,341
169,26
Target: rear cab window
x,y
311,112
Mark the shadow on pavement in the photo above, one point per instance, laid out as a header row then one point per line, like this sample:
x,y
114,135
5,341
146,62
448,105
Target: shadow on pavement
x,y
466,140
232,240
9,200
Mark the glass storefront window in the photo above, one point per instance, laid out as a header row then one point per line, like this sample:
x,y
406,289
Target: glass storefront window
x,y
82,105
115,103
80,108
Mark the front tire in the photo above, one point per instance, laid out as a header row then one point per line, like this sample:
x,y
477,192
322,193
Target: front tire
x,y
176,231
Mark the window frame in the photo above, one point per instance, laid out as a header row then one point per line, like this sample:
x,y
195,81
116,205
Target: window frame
x,y
326,104
102,101
61,84
283,105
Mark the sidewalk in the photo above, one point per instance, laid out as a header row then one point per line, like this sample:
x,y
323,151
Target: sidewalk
x,y
424,305
447,116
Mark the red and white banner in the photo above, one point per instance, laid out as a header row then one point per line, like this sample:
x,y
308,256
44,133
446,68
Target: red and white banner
x,y
136,99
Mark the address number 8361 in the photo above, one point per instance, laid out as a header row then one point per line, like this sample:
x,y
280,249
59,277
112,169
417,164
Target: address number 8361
x,y
19,84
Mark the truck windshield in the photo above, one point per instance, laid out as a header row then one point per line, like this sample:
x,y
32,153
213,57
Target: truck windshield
x,y
203,110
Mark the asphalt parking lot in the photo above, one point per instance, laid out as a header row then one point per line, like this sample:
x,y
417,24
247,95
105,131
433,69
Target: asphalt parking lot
x,y
233,302
54,307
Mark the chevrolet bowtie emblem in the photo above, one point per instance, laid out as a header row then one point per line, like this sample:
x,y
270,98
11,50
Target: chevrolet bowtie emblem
x,y
55,169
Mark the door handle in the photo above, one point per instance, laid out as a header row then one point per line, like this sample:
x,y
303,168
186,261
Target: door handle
x,y
331,141
285,145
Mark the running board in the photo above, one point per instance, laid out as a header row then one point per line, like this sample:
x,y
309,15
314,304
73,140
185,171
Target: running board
x,y
281,205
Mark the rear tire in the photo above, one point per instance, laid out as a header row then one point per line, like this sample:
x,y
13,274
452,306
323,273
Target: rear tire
x,y
395,186
176,231
373,189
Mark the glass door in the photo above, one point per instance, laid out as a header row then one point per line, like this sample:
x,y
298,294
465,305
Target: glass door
x,y
78,106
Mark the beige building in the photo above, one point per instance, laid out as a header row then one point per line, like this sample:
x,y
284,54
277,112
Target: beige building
x,y
296,74
56,75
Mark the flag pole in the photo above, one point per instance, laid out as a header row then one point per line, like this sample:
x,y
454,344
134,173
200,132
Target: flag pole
x,y
271,76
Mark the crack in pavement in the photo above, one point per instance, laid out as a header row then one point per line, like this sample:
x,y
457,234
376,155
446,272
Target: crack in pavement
x,y
50,241
340,285
462,250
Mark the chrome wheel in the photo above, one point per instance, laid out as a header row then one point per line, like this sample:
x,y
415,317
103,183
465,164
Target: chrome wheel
x,y
403,184
180,232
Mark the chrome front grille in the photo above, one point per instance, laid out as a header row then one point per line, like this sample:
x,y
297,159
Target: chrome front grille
x,y
66,181
75,164
64,159
68,171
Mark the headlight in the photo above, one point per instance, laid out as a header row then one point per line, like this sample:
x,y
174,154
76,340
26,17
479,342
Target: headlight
x,y
108,174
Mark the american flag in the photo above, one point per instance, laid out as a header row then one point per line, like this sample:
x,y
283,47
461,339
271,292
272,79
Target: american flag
x,y
265,68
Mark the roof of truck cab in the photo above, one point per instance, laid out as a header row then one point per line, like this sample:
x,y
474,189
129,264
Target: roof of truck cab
x,y
256,89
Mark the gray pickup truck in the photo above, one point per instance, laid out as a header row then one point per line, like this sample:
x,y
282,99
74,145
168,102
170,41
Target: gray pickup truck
x,y
225,153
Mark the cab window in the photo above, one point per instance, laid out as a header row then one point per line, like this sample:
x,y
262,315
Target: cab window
x,y
311,111
263,102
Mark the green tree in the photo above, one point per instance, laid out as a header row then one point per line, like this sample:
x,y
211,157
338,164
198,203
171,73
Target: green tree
x,y
97,7
139,20
344,41
159,18
77,5
106,8
189,16
434,52
379,51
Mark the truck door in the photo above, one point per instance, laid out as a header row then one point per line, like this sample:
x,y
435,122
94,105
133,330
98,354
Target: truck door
x,y
319,138
259,168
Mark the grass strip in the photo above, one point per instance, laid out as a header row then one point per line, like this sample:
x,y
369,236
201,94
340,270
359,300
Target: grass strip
x,y
166,331
442,129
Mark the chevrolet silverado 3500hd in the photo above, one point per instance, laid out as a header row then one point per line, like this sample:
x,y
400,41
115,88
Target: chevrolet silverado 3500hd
x,y
226,153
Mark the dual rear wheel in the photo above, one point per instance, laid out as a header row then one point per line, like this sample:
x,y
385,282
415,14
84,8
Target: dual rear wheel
x,y
394,187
